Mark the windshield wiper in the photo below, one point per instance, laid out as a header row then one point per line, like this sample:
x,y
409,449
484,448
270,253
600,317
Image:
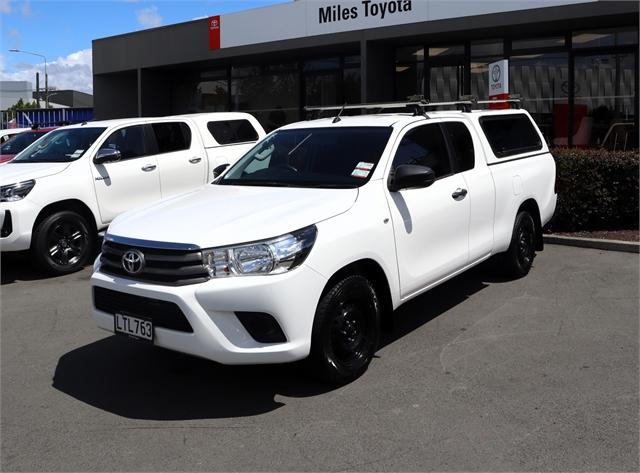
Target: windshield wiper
x,y
330,185
254,182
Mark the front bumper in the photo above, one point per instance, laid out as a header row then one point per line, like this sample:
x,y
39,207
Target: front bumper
x,y
23,217
210,308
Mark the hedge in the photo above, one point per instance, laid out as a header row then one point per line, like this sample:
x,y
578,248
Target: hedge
x,y
597,190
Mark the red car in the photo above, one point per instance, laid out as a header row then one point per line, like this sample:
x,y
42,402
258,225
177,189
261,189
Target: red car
x,y
19,142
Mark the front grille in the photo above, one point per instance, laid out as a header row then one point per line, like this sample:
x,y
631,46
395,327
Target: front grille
x,y
169,267
162,313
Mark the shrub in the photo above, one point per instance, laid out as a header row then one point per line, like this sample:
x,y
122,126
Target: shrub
x,y
597,190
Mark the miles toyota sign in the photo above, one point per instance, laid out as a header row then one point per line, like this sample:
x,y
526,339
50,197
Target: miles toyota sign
x,y
305,18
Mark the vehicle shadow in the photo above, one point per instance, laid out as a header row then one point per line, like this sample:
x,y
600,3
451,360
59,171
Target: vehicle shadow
x,y
435,302
139,381
18,267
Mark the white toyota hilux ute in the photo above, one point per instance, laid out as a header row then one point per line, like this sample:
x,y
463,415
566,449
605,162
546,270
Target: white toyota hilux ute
x,y
58,193
311,240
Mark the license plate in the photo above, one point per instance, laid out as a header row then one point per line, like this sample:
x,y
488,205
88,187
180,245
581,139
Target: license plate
x,y
135,327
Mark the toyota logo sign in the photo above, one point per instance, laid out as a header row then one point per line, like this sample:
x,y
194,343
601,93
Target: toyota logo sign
x,y
496,73
133,261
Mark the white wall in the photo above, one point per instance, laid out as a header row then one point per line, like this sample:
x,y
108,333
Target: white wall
x,y
12,91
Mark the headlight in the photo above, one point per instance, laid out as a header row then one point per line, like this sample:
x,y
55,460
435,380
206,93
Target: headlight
x,y
14,192
274,256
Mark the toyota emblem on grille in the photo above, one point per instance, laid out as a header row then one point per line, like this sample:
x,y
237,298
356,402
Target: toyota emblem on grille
x,y
133,261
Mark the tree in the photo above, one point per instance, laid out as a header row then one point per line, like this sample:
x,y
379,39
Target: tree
x,y
20,105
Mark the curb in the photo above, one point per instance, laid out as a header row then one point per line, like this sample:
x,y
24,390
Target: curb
x,y
608,245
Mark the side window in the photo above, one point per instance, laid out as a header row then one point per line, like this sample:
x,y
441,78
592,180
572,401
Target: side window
x,y
462,144
425,146
172,136
510,134
232,131
129,141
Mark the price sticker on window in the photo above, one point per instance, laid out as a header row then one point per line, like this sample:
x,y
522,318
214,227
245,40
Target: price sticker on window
x,y
362,170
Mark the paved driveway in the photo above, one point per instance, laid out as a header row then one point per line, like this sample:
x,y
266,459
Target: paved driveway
x,y
480,374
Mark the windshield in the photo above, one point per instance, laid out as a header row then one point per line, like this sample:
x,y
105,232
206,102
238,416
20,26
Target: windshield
x,y
20,141
60,146
312,157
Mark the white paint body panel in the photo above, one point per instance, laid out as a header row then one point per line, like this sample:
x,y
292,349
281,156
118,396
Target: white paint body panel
x,y
108,190
418,238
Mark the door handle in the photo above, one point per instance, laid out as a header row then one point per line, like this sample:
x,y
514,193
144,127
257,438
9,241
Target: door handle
x,y
195,160
459,194
148,167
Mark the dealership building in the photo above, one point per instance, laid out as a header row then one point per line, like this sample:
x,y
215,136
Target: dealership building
x,y
574,63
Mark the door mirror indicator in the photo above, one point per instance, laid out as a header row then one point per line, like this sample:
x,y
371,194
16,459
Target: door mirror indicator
x,y
408,176
107,155
219,169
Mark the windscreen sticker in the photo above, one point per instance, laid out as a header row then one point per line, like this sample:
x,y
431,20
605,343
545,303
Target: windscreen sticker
x,y
361,173
365,166
77,153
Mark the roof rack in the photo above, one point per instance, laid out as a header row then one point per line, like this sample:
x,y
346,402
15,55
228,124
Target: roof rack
x,y
417,104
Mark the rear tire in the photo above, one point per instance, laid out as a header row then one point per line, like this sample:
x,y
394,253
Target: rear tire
x,y
346,330
62,243
518,259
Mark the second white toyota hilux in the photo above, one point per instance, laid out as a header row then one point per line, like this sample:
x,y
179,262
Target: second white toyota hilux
x,y
309,242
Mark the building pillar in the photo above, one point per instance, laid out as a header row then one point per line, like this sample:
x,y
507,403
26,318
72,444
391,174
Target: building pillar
x,y
377,70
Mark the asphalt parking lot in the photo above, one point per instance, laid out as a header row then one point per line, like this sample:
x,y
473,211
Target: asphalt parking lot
x,y
479,375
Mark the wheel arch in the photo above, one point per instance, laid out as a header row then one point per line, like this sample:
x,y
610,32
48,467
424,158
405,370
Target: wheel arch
x,y
73,205
371,270
530,205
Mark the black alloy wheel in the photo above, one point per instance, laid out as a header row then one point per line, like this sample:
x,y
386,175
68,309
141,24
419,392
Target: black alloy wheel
x,y
518,259
526,242
63,243
346,330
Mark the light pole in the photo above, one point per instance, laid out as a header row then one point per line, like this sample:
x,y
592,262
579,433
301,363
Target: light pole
x,y
46,77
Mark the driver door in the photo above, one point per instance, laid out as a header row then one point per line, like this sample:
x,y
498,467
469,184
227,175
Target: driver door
x,y
431,224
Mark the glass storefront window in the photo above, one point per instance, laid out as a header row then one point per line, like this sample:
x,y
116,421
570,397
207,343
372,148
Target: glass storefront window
x,y
352,85
211,96
245,71
321,64
445,83
604,104
206,92
492,47
272,98
352,61
535,43
480,76
409,73
440,51
410,54
409,80
604,38
542,81
321,89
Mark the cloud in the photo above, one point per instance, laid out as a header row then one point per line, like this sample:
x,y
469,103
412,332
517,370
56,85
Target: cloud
x,y
26,8
5,6
69,72
149,17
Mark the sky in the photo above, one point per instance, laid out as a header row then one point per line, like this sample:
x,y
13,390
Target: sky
x,y
62,31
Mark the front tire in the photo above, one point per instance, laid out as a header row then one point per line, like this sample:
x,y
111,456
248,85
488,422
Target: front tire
x,y
346,330
63,243
518,259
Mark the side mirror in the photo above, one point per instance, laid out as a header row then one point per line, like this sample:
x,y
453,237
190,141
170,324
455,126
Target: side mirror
x,y
219,169
407,176
107,155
